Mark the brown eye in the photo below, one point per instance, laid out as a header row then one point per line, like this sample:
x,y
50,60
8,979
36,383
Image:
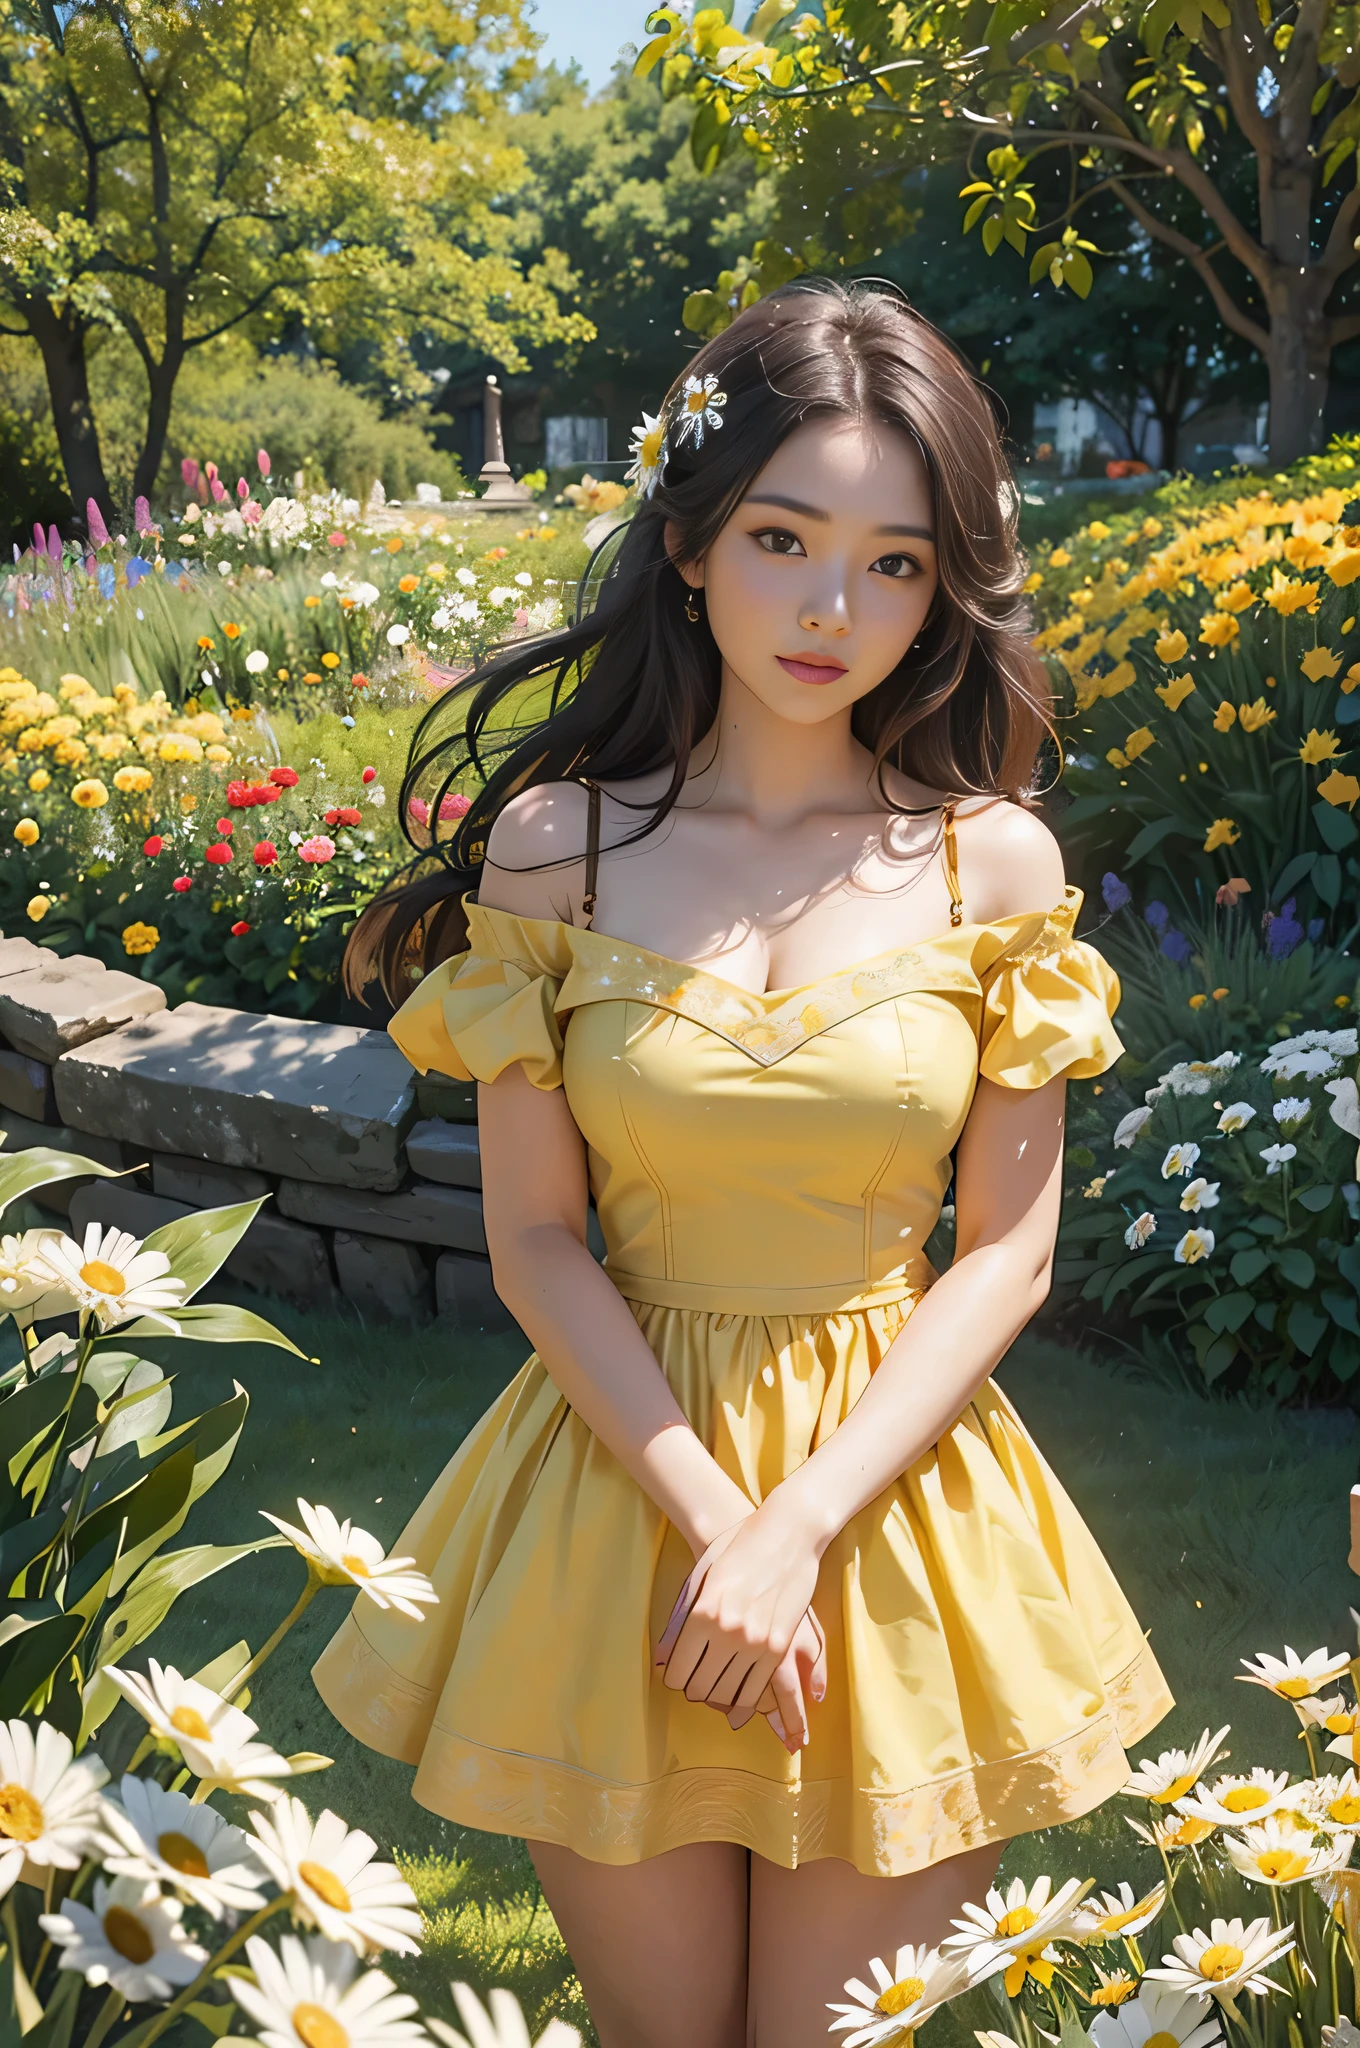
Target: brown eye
x,y
777,540
898,567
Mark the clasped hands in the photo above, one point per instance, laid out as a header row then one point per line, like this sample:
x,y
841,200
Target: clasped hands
x,y
742,1636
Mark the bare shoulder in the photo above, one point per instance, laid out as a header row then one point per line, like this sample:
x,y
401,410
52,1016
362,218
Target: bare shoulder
x,y
1009,862
535,856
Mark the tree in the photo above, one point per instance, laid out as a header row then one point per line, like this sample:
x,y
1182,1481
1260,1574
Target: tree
x,y
179,168
1221,127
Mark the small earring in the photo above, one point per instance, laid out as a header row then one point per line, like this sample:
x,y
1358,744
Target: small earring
x,y
691,611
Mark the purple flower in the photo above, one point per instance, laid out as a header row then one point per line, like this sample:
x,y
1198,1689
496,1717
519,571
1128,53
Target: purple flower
x,y
1283,930
1157,915
53,544
141,513
137,567
1176,946
94,521
1118,895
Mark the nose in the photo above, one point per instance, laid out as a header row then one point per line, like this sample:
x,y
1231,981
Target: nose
x,y
826,609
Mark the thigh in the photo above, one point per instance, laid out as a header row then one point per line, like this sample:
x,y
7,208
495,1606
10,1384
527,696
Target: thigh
x,y
659,1946
814,1927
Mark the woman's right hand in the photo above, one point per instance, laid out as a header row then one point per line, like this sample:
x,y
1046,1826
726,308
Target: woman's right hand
x,y
801,1676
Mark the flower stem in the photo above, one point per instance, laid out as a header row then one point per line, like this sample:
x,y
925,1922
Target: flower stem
x,y
205,1975
295,1614
108,2014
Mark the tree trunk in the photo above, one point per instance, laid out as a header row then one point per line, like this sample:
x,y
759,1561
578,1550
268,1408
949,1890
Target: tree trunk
x,y
61,337
161,382
1299,363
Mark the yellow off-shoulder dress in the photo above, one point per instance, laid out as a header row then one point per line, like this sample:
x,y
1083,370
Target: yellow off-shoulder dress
x,y
767,1169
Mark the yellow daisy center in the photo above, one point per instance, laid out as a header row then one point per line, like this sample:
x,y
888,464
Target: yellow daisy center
x,y
1018,1921
1346,1809
126,1933
1115,1992
325,1884
695,402
182,1855
1293,1688
898,1997
1220,1961
1284,1865
103,1278
1339,1724
1177,1789
317,2028
21,1817
354,1565
1161,2040
1191,1832
650,451
188,1721
1243,1798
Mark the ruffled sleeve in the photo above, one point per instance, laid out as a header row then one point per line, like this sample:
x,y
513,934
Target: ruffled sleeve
x,y
491,1007
1047,1008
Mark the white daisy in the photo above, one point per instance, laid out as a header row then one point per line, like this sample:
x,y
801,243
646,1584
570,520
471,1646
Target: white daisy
x,y
340,1889
1310,1063
1179,1159
1236,1117
700,406
1013,1932
1175,1771
1233,1801
1230,1958
110,1277
1332,1714
920,1981
1295,1677
1277,1851
1201,1194
1113,1987
1291,1110
214,1738
158,1835
1330,1802
1276,1156
49,1800
1140,1230
132,1940
1128,1127
1118,1916
343,1555
648,450
1177,1831
502,2027
24,1276
1158,2011
1194,1246
312,1997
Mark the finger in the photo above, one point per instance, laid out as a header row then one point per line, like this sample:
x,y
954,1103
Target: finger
x,y
756,1680
788,1693
778,1727
812,1659
684,1601
716,1679
737,1717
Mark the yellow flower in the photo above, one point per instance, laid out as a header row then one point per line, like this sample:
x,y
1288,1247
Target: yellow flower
x,y
1150,528
311,676
90,794
1198,1002
1171,646
1319,663
1339,789
1255,717
436,569
1286,596
39,779
38,907
1098,530
140,938
1235,598
330,661
1174,691
1059,559
188,801
1301,551
124,694
1218,629
133,781
1117,758
1319,746
26,831
1343,565
282,675
70,753
1223,832
73,686
311,603
1225,718
219,756
1031,582
1138,742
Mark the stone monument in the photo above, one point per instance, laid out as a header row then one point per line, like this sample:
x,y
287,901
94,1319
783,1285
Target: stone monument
x,y
501,488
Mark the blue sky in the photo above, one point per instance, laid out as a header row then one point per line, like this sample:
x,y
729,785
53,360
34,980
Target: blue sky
x,y
591,31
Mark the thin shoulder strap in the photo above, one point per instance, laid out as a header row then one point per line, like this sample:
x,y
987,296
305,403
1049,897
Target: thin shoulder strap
x,y
592,851
949,853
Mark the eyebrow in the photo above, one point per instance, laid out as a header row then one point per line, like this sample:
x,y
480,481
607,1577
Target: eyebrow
x,y
814,512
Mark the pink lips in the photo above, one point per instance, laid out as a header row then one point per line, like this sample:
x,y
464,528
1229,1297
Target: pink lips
x,y
811,671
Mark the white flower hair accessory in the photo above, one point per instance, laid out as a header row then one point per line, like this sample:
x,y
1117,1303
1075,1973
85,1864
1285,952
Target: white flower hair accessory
x,y
648,450
700,406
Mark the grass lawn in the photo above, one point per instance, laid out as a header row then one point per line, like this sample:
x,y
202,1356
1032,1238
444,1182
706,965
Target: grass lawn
x,y
1227,1525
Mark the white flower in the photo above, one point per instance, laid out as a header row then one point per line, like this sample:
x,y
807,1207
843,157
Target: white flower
x,y
365,593
920,1981
524,579
340,1889
700,407
1309,1064
1160,2011
344,1555
1201,1194
1013,1932
214,1738
1233,1801
49,1801
1294,1677
1291,1110
1236,1116
1277,1851
502,594
1118,1916
311,1997
1330,1802
257,661
1332,1714
502,2027
1177,1831
1179,1159
441,619
1128,1127
1339,1044
1175,1771
1140,1230
1188,1077
1345,1043
469,611
1230,1958
467,577
648,450
161,1836
132,1940
1276,1156
1345,1109
1194,1246
24,1276
397,636
329,580
110,1277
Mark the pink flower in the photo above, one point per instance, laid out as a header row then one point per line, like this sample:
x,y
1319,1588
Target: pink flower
x,y
219,490
419,810
317,850
210,472
242,487
337,540
262,458
369,775
188,470
141,513
250,512
454,806
521,619
94,523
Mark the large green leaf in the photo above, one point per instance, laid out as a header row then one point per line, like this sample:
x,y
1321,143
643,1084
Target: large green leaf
x,y
218,1323
27,1540
141,1410
22,1172
26,1417
28,1661
197,1245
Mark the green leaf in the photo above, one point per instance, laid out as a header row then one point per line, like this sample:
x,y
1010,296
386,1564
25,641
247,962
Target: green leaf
x,y
1229,1311
1152,835
221,1674
1342,1309
26,1541
28,1415
993,228
1218,1358
197,1245
57,2024
1249,1266
28,1661
22,1172
1294,1265
1306,1327
1039,264
1292,874
141,1411
1327,879
1316,1199
1336,828
153,1509
217,1323
1077,273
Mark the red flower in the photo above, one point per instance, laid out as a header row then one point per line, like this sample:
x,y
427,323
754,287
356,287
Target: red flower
x,y
359,682
337,540
225,827
284,778
349,816
332,817
240,796
266,853
218,855
239,929
370,775
181,885
152,846
266,792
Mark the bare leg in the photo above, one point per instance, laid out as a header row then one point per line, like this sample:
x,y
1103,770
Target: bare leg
x,y
813,1927
660,1946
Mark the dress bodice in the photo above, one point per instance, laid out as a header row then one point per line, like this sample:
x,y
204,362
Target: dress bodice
x,y
777,1153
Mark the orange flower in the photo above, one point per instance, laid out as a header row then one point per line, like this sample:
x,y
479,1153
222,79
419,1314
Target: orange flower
x,y
311,677
311,603
394,545
205,644
232,631
1340,789
409,583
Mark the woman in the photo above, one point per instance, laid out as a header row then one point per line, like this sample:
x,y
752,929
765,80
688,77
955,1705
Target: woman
x,y
762,1620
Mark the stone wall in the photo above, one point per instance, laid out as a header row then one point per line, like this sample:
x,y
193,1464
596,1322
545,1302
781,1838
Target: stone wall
x,y
373,1173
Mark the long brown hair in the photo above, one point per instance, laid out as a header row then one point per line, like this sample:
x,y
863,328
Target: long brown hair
x,y
632,685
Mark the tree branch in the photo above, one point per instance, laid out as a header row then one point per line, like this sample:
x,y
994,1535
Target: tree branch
x,y
1339,252
1230,312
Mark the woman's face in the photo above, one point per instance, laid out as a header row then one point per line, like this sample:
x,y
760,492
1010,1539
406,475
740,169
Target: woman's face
x,y
823,576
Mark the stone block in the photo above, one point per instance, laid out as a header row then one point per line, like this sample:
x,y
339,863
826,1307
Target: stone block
x,y
445,1152
48,1008
21,1134
441,1095
286,1095
18,955
385,1278
26,1086
117,1207
423,1213
465,1295
203,1184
